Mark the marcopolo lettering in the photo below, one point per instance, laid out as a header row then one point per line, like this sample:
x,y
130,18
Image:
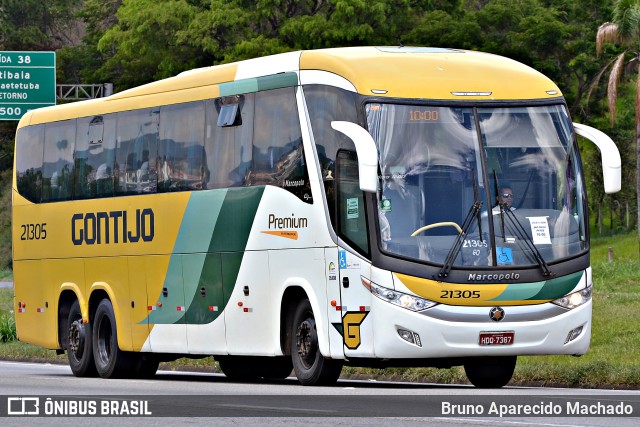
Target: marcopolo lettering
x,y
495,276
98,228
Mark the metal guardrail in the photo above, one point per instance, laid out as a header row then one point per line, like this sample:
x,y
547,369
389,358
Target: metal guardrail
x,y
83,92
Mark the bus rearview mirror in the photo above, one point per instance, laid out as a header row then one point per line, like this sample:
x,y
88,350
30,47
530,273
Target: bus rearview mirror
x,y
366,151
611,164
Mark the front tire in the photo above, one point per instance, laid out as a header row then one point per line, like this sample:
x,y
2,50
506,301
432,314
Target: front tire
x,y
490,372
111,362
310,366
79,344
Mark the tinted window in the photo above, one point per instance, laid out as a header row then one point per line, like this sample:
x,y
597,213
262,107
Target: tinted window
x,y
29,153
136,147
95,156
352,223
326,104
181,155
278,155
57,170
229,147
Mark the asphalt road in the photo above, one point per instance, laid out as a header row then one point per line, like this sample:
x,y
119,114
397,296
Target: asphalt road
x,y
211,399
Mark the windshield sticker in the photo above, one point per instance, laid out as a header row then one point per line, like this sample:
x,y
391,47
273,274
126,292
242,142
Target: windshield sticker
x,y
352,208
504,256
385,205
540,230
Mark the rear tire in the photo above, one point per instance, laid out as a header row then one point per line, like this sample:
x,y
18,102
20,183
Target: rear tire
x,y
310,366
145,365
79,344
251,368
490,372
237,368
111,362
277,368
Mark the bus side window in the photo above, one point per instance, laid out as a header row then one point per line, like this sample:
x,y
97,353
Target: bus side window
x,y
228,145
57,170
137,145
278,155
352,224
94,157
181,155
105,171
326,104
29,152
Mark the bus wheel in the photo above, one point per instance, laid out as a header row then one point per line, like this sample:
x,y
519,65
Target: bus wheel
x,y
490,372
144,365
238,368
79,347
310,366
277,368
251,368
111,362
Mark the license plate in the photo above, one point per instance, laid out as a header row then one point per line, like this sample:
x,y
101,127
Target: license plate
x,y
496,338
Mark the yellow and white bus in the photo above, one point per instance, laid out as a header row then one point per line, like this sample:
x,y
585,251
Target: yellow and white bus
x,y
309,210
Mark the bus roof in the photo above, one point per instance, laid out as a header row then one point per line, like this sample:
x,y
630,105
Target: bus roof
x,y
432,73
397,72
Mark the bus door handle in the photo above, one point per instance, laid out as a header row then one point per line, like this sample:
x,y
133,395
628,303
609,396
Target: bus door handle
x,y
345,282
203,292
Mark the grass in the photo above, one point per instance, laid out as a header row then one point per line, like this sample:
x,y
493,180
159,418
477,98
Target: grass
x,y
613,360
6,275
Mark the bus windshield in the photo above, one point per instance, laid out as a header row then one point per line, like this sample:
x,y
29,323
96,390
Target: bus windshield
x,y
497,186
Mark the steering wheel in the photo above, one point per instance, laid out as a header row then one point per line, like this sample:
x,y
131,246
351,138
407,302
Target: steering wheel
x,y
437,224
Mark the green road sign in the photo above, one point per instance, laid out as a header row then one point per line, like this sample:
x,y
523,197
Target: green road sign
x,y
27,81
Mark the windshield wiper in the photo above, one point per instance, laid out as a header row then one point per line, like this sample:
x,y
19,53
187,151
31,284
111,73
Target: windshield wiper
x,y
519,230
524,237
474,211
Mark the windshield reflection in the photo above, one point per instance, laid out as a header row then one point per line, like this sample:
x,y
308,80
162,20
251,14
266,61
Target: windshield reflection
x,y
436,163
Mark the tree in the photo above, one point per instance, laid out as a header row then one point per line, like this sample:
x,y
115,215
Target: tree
x,y
28,25
38,25
623,29
154,39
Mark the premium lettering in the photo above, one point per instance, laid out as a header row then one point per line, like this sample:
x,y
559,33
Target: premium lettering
x,y
286,222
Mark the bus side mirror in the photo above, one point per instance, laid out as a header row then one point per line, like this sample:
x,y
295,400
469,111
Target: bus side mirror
x,y
366,151
611,164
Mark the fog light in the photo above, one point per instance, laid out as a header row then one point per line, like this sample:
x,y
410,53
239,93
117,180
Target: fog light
x,y
410,337
573,334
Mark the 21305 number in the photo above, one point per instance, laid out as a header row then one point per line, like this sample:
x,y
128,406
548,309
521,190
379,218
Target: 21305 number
x,y
33,231
456,293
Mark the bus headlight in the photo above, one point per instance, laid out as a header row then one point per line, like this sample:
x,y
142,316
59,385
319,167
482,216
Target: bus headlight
x,y
575,299
410,302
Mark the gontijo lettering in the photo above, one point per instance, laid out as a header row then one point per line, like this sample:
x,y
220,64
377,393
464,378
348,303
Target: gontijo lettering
x,y
97,228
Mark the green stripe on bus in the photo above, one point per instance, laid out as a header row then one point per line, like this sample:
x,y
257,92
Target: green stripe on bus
x,y
557,288
548,290
202,271
275,81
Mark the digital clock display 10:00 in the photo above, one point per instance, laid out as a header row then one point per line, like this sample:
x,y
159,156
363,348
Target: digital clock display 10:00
x,y
424,115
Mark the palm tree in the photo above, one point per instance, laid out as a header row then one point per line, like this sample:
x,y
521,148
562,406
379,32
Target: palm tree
x,y
624,29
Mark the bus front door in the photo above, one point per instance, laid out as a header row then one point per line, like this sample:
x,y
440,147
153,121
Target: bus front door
x,y
355,305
